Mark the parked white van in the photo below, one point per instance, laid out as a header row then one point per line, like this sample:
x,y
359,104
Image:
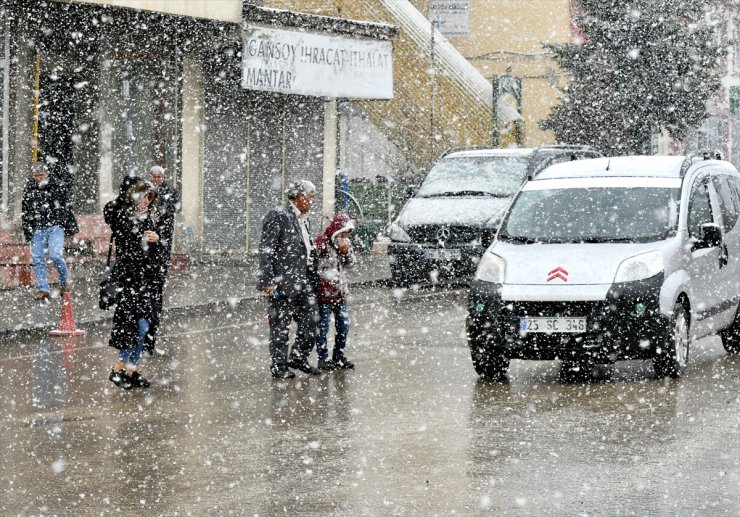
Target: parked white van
x,y
611,258
447,225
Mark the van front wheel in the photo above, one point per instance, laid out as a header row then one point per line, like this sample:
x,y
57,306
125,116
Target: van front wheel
x,y
673,356
490,363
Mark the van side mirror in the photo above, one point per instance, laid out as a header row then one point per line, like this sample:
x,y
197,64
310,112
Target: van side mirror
x,y
711,235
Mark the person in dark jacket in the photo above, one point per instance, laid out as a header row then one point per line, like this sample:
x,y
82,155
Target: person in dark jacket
x,y
46,219
168,204
138,264
287,274
335,255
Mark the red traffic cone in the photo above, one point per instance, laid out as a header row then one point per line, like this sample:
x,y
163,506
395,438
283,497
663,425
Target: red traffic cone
x,y
67,325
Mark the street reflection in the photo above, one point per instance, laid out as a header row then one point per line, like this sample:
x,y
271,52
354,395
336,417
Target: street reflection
x,y
310,423
50,377
526,438
40,313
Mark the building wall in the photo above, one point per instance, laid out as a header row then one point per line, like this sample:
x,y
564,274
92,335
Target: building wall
x,y
224,10
432,110
365,152
509,34
721,130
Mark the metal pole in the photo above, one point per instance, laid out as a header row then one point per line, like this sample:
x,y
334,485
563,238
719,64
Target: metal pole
x,y
36,101
496,138
390,199
432,92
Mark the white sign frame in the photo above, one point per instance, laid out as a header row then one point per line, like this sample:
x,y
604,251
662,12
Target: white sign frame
x,y
450,16
307,63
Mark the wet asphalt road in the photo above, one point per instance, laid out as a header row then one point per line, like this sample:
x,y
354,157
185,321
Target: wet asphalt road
x,y
410,432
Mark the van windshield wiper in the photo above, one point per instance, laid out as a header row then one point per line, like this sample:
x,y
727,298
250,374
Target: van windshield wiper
x,y
516,238
468,193
594,240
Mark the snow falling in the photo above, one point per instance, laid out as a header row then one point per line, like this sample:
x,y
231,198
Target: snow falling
x,y
501,239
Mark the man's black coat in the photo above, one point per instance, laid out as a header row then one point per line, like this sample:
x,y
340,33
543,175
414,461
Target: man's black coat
x,y
283,254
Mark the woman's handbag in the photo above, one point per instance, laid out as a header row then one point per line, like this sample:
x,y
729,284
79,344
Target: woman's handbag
x,y
110,288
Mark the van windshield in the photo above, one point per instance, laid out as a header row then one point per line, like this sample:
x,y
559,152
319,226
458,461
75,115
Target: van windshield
x,y
496,176
592,215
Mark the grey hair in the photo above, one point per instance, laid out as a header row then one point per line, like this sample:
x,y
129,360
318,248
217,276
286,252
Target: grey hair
x,y
156,170
300,188
39,167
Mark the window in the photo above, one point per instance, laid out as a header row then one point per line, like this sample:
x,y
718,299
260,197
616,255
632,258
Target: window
x,y
495,176
700,209
728,201
734,184
598,214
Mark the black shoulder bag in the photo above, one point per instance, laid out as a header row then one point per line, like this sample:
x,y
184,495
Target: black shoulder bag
x,y
110,288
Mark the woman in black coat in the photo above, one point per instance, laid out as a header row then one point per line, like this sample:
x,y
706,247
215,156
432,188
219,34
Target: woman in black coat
x,y
139,267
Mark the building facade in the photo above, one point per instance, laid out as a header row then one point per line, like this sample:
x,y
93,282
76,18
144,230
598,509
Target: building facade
x,y
111,88
107,91
505,39
721,130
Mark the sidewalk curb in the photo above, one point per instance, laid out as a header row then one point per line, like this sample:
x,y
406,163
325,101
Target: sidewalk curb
x,y
107,316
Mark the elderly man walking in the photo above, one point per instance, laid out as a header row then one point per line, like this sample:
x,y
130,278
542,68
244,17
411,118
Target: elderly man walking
x,y
167,206
288,275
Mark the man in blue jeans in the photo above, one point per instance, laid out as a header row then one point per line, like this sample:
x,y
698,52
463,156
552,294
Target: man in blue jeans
x,y
46,219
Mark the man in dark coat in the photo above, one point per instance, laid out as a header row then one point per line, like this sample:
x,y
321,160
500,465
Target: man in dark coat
x,y
166,208
168,204
288,275
46,219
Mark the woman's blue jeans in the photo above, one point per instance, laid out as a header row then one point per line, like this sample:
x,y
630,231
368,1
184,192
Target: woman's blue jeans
x,y
51,238
132,355
341,325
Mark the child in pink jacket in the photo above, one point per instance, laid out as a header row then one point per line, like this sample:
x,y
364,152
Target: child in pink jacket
x,y
335,255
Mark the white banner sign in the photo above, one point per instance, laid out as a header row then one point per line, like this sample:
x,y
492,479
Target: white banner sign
x,y
304,63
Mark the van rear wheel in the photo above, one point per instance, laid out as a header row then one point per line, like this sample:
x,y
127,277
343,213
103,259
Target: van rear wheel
x,y
400,275
731,336
673,356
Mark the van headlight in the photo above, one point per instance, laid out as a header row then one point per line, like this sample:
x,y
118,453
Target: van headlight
x,y
639,267
491,268
397,233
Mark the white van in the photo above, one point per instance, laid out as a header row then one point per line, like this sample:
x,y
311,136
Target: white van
x,y
450,221
608,259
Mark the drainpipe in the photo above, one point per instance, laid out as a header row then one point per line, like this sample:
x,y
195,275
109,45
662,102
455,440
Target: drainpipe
x,y
36,101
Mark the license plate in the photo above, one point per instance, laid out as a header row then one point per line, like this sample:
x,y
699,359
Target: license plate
x,y
441,254
552,325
